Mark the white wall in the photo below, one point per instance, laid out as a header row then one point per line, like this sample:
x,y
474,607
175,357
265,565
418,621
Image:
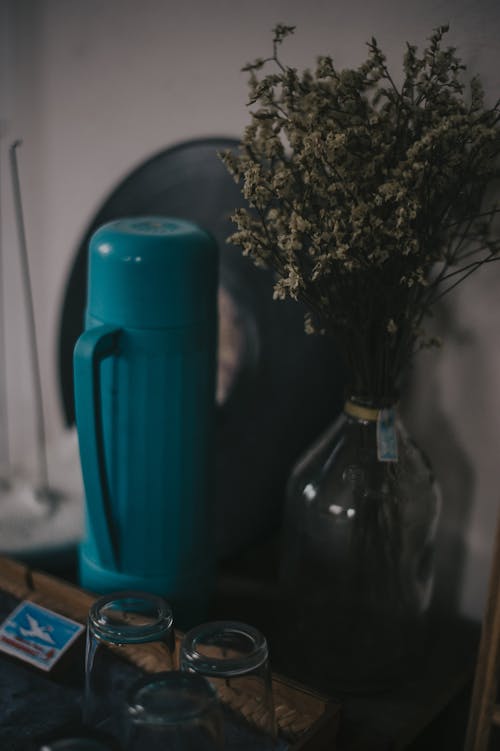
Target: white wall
x,y
95,86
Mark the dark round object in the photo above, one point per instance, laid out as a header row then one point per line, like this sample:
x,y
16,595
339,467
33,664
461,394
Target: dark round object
x,y
283,387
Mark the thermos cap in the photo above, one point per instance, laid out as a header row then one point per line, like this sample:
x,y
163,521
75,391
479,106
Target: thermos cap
x,y
152,272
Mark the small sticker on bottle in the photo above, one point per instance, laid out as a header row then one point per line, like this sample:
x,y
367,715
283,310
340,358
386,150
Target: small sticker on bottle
x,y
37,635
387,442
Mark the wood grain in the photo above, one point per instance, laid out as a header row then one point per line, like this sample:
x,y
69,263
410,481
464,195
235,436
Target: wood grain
x,y
484,710
308,721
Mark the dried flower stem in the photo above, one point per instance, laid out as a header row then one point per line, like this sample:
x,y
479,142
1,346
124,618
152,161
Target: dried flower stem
x,y
368,200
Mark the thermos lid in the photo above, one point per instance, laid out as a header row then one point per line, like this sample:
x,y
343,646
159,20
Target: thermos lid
x,y
152,272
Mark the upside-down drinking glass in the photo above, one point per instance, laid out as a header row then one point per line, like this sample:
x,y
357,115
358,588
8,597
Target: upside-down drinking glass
x,y
233,656
173,711
129,633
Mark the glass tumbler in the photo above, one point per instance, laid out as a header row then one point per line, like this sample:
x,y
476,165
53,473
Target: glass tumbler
x,y
233,656
172,711
78,744
128,633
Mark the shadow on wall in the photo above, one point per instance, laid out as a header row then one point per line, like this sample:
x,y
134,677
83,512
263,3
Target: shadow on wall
x,y
437,435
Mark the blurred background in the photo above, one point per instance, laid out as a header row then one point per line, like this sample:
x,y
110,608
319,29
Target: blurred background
x,y
95,88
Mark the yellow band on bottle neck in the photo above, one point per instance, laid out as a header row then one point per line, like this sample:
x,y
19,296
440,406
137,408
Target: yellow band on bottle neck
x,y
363,413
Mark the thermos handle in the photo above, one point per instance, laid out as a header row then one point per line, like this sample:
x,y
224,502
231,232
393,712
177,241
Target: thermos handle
x,y
94,345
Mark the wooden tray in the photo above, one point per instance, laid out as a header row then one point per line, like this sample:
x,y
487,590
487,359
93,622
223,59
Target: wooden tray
x,y
305,719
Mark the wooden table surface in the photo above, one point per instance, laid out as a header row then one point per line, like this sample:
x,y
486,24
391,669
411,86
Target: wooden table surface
x,y
392,720
305,719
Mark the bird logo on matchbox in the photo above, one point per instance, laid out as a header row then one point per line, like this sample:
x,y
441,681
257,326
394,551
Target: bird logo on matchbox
x,y
37,635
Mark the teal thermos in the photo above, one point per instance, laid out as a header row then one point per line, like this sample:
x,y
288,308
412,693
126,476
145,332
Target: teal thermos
x,y
144,373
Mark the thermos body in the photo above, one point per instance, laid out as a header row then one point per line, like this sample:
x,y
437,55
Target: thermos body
x,y
145,411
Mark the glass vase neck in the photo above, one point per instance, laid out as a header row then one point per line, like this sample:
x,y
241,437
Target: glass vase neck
x,y
367,409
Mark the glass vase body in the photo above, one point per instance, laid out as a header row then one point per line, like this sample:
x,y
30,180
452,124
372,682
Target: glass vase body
x,y
357,556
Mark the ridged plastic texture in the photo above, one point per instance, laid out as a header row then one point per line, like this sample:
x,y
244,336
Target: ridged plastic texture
x,y
145,406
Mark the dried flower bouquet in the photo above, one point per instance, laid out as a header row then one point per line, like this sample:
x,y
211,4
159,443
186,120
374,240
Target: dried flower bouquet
x,y
369,199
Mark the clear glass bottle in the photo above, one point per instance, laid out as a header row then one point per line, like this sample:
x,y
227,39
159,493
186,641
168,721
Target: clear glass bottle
x,y
357,556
